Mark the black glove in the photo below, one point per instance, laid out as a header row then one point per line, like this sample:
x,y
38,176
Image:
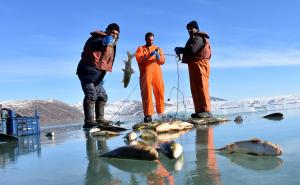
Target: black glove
x,y
178,50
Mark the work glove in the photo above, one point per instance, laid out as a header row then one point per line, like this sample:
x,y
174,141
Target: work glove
x,y
108,40
155,53
178,50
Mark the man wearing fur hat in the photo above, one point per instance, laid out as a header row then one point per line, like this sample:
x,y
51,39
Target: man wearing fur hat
x,y
196,54
96,59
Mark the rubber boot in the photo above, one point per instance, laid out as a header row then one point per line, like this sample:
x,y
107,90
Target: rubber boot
x,y
88,108
148,119
202,115
99,110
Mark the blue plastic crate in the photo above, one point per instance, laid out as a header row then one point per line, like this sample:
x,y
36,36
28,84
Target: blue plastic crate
x,y
2,126
26,126
22,125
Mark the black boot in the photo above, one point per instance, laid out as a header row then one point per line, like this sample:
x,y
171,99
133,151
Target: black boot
x,y
201,115
88,108
99,110
148,119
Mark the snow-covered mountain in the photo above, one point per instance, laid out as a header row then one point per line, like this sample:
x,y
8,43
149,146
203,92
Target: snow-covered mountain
x,y
57,111
50,111
132,109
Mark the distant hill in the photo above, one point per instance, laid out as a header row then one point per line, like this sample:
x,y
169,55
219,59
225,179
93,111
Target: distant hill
x,y
50,111
55,111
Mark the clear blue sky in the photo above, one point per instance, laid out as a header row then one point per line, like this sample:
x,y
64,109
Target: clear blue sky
x,y
256,45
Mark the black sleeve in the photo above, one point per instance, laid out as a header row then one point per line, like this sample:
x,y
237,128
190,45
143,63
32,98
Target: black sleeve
x,y
193,45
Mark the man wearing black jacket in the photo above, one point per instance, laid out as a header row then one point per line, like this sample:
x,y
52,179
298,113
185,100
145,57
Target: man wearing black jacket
x,y
196,54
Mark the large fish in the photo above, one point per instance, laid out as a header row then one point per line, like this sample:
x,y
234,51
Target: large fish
x,y
138,152
128,71
275,116
254,147
105,133
207,121
171,149
173,126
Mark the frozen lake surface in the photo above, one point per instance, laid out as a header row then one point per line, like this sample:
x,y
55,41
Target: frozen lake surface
x,y
71,157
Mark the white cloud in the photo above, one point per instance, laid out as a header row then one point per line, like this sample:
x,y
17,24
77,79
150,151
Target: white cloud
x,y
249,57
245,57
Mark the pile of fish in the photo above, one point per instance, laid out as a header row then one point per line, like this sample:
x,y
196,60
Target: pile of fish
x,y
161,127
147,140
208,121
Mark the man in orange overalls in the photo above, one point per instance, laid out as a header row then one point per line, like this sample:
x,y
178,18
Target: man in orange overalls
x,y
150,58
196,54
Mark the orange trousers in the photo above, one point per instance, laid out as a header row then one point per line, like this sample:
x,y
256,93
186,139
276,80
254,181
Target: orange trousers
x,y
152,80
199,82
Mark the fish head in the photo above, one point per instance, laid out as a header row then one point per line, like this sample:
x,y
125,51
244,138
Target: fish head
x,y
278,149
273,149
175,149
230,148
132,136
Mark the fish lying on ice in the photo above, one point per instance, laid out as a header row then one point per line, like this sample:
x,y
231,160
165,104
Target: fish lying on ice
x,y
173,126
148,134
128,71
274,116
253,147
105,133
238,119
171,149
165,126
130,136
50,134
138,152
94,129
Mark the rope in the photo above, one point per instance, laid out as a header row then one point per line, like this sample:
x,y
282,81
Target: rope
x,y
125,101
177,88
